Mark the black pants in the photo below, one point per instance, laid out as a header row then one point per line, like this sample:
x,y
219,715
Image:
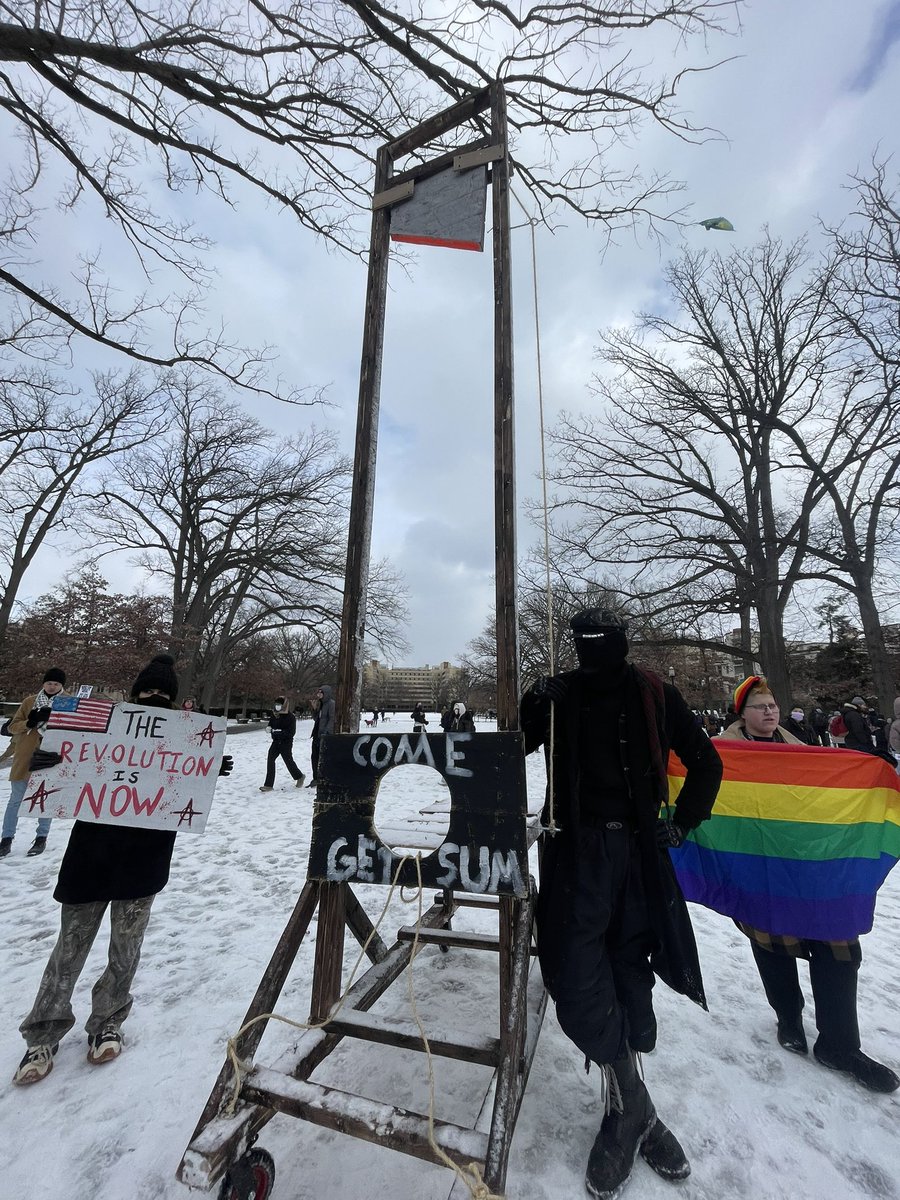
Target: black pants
x,y
314,756
285,751
597,934
833,984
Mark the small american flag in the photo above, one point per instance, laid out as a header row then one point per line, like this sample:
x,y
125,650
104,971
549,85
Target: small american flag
x,y
79,715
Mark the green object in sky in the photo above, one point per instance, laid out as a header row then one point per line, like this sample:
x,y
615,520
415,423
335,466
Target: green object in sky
x,y
718,223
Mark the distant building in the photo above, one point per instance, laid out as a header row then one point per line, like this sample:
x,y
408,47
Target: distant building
x,y
396,688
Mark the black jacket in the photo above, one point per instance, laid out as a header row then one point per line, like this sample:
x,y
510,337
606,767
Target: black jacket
x,y
282,726
859,735
113,862
655,719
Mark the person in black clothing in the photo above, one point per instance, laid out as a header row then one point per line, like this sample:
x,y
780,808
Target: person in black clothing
x,y
418,718
610,912
798,726
461,720
818,722
282,726
113,867
323,724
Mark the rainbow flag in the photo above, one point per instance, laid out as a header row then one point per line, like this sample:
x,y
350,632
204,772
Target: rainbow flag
x,y
799,842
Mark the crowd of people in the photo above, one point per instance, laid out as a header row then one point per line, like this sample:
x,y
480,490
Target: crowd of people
x,y
857,725
610,913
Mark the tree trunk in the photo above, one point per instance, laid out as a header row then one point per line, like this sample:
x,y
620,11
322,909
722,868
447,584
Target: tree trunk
x,y
773,656
882,674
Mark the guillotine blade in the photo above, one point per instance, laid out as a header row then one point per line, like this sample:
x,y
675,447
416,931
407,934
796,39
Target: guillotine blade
x,y
446,209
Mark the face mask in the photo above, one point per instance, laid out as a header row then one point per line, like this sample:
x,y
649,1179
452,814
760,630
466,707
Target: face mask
x,y
797,714
603,653
157,702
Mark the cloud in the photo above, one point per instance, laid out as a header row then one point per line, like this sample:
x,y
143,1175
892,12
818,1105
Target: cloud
x,y
884,38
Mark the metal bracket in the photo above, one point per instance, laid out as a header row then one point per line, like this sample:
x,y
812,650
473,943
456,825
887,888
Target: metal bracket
x,y
393,195
476,158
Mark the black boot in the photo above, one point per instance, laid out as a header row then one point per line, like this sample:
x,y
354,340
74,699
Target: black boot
x,y
871,1074
791,1035
5,846
38,846
662,1151
622,1132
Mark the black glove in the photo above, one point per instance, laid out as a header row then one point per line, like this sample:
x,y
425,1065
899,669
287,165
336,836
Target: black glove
x,y
38,716
669,835
553,686
42,759
227,765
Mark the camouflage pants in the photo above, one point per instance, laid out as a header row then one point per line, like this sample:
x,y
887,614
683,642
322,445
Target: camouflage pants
x,y
51,1016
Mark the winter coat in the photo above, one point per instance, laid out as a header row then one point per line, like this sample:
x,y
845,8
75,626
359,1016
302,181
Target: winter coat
x,y
735,733
801,731
324,719
894,731
464,723
859,734
282,727
113,862
654,719
27,740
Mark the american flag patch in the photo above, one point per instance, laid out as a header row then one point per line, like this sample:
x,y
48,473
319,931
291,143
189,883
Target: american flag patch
x,y
79,715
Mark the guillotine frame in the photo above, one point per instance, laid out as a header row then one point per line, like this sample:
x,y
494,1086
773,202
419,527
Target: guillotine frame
x,y
221,1138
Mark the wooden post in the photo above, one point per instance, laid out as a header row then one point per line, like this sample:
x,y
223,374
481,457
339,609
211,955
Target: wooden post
x,y
504,442
359,535
329,958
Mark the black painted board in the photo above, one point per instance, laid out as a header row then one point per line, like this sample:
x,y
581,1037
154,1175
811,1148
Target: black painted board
x,y
447,209
485,849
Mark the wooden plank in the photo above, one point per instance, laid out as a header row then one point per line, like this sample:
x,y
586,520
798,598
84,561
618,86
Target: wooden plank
x,y
221,1140
392,1031
361,927
507,920
410,836
266,997
511,1071
504,433
393,195
359,533
474,900
537,1006
462,939
370,1120
329,957
420,135
434,166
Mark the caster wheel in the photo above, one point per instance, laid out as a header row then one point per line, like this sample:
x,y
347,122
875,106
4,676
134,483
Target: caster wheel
x,y
251,1177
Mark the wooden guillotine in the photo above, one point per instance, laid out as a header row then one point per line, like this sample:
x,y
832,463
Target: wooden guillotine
x,y
482,861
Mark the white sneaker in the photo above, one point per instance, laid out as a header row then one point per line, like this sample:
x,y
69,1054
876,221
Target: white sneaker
x,y
104,1046
36,1065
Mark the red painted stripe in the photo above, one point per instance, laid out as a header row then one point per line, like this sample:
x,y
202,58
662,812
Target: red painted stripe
x,y
416,240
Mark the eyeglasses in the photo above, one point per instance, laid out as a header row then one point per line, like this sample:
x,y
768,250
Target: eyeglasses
x,y
763,707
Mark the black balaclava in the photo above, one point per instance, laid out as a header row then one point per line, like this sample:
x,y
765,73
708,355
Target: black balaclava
x,y
601,640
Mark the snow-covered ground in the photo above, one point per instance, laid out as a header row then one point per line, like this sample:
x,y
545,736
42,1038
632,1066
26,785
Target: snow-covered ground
x,y
755,1121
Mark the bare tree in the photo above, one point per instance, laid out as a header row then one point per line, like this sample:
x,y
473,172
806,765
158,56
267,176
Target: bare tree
x,y
49,446
288,104
246,529
684,484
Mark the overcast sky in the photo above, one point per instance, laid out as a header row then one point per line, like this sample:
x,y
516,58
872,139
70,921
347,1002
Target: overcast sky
x,y
812,91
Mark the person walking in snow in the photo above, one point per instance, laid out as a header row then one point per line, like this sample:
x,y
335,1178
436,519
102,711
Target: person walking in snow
x,y
104,867
833,966
610,912
323,724
26,727
282,727
418,718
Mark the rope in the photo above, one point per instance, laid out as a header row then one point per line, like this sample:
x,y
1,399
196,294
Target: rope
x,y
471,1175
551,827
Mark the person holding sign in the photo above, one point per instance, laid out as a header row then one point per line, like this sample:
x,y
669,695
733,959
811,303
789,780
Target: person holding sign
x,y
610,912
26,727
106,866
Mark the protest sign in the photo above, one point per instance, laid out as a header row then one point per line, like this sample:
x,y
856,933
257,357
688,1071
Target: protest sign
x,y
128,764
